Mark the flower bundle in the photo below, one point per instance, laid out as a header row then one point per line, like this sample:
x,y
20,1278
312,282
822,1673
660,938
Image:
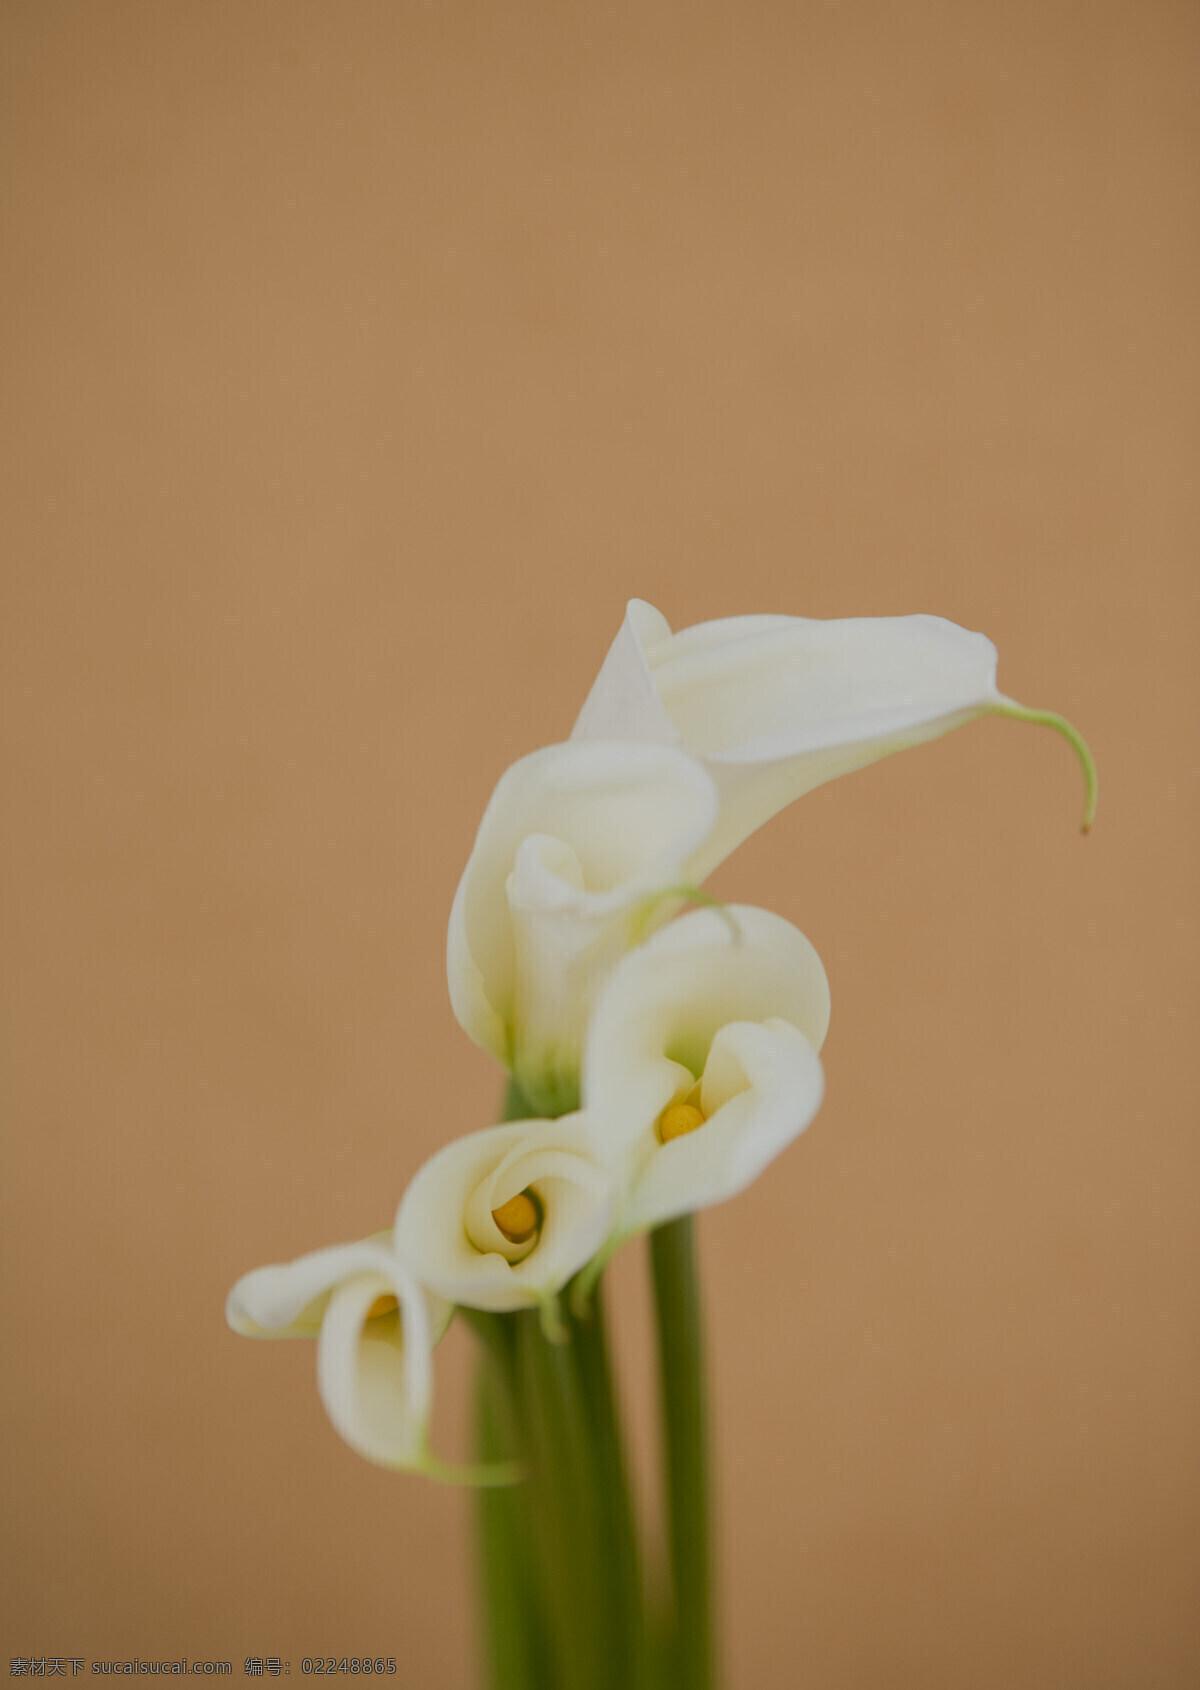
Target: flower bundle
x,y
662,1050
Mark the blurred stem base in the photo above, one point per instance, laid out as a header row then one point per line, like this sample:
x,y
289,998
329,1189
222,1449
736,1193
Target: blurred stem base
x,y
561,1568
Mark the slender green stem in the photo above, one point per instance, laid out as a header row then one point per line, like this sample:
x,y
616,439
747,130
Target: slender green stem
x,y
514,1631
583,1561
563,1501
616,1524
690,1664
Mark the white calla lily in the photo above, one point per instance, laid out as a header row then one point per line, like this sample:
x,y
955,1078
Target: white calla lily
x,y
701,1062
375,1328
502,1218
776,705
762,1085
574,842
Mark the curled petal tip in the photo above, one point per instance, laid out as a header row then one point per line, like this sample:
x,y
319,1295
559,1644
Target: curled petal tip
x,y
1073,737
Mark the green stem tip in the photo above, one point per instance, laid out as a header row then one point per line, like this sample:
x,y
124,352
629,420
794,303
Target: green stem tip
x,y
584,1284
550,1318
1073,737
644,912
483,1475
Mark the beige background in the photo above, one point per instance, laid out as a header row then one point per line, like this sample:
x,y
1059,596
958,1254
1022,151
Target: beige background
x,y
361,360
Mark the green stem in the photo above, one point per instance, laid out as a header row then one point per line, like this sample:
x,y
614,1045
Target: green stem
x,y
690,1664
616,1525
511,1630
514,1629
563,1509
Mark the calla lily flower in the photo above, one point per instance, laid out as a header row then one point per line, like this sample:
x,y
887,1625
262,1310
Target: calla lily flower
x,y
686,743
375,1329
774,706
701,1062
575,845
502,1218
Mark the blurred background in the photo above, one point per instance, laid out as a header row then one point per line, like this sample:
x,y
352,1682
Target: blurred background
x,y
361,360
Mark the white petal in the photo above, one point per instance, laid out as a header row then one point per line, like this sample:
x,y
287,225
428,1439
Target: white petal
x,y
445,1233
776,705
375,1375
289,1299
666,1002
762,1087
573,841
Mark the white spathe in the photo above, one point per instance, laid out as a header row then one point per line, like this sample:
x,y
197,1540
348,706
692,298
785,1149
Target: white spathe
x,y
374,1372
575,840
762,1086
776,705
446,1234
726,1009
